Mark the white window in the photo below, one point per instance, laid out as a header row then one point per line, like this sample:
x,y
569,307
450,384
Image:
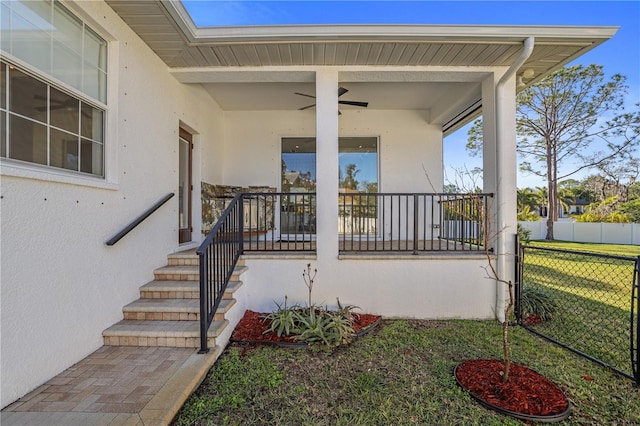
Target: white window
x,y
53,88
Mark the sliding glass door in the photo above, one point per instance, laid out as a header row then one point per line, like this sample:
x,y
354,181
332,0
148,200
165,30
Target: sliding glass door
x,y
358,185
298,182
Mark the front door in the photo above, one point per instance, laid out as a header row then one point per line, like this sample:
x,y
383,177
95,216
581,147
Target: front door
x,y
185,186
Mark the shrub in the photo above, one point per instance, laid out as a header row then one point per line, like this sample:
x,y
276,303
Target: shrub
x,y
283,320
312,323
524,235
535,301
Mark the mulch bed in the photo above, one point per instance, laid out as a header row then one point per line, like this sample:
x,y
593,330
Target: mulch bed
x,y
253,326
527,393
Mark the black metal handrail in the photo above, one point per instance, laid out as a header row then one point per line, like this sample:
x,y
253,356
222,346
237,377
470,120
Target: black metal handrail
x,y
139,220
218,256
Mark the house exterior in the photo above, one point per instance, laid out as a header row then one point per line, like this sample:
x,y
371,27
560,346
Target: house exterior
x,y
108,106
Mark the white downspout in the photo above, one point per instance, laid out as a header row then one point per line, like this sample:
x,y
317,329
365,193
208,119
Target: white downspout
x,y
504,241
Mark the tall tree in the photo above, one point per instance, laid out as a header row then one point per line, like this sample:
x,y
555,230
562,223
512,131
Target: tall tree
x,y
349,181
571,120
526,197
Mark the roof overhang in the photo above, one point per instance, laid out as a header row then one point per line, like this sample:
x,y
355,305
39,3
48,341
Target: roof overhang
x,y
246,56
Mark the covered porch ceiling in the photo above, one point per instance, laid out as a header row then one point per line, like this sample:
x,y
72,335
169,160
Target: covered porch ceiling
x,y
435,68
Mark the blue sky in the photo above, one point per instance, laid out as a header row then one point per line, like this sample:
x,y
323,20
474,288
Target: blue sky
x,y
621,54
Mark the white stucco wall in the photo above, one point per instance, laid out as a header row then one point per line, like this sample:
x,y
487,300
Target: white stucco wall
x,y
406,144
61,286
431,286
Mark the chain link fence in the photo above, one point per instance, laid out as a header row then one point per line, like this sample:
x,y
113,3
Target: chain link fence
x,y
585,302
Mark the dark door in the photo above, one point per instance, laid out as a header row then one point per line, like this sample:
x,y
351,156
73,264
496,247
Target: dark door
x,y
185,186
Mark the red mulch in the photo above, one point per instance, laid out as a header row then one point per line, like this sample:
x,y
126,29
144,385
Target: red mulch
x,y
527,392
533,320
253,325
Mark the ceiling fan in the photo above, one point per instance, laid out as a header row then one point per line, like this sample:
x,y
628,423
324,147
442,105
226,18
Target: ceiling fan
x,y
341,91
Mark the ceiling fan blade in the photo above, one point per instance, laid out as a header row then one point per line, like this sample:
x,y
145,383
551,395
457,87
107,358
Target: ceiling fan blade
x,y
307,107
302,94
354,103
342,91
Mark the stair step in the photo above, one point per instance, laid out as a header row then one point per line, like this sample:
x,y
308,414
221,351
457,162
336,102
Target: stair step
x,y
177,273
159,289
232,287
169,289
189,257
188,273
178,334
171,309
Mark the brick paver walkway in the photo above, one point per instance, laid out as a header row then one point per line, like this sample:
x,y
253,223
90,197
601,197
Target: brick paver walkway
x,y
116,385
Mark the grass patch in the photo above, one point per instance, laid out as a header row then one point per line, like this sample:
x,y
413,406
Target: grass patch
x,y
401,373
592,296
613,249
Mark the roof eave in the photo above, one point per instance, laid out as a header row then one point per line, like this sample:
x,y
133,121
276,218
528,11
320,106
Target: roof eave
x,y
350,32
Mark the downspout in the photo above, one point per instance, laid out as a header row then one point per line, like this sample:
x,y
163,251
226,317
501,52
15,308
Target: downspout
x,y
503,241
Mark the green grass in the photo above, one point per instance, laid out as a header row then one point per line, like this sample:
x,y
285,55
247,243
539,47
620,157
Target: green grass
x,y
614,249
593,296
400,374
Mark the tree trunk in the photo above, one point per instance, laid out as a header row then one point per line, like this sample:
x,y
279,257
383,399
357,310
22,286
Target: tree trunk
x,y
505,334
552,209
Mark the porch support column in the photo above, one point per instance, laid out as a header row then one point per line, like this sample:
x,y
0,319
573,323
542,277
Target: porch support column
x,y
506,189
327,164
506,171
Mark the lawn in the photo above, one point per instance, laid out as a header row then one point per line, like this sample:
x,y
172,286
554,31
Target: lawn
x,y
614,249
400,374
593,296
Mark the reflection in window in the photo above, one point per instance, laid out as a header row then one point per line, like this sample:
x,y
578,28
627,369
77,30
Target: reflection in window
x,y
358,184
298,210
48,126
358,162
45,35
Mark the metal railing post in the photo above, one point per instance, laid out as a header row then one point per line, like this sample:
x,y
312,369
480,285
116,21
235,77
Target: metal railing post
x,y
518,276
204,296
415,223
635,339
240,224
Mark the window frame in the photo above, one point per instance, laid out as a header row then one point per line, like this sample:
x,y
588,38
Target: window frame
x,y
30,170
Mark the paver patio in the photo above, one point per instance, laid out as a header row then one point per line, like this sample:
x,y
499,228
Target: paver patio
x,y
115,385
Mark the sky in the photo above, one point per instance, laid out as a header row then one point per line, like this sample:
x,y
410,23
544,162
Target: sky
x,y
620,55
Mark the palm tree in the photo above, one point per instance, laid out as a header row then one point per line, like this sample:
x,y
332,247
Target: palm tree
x,y
566,197
542,197
526,198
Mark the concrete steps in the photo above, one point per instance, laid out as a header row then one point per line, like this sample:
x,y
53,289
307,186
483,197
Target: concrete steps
x,y
175,334
168,311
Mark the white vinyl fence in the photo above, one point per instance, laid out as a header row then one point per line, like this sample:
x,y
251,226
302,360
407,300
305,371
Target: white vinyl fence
x,y
610,233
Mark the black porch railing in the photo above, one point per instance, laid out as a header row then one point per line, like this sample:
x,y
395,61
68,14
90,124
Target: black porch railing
x,y
286,222
401,222
279,221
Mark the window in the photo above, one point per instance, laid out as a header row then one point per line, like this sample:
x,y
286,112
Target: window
x,y
358,161
52,109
